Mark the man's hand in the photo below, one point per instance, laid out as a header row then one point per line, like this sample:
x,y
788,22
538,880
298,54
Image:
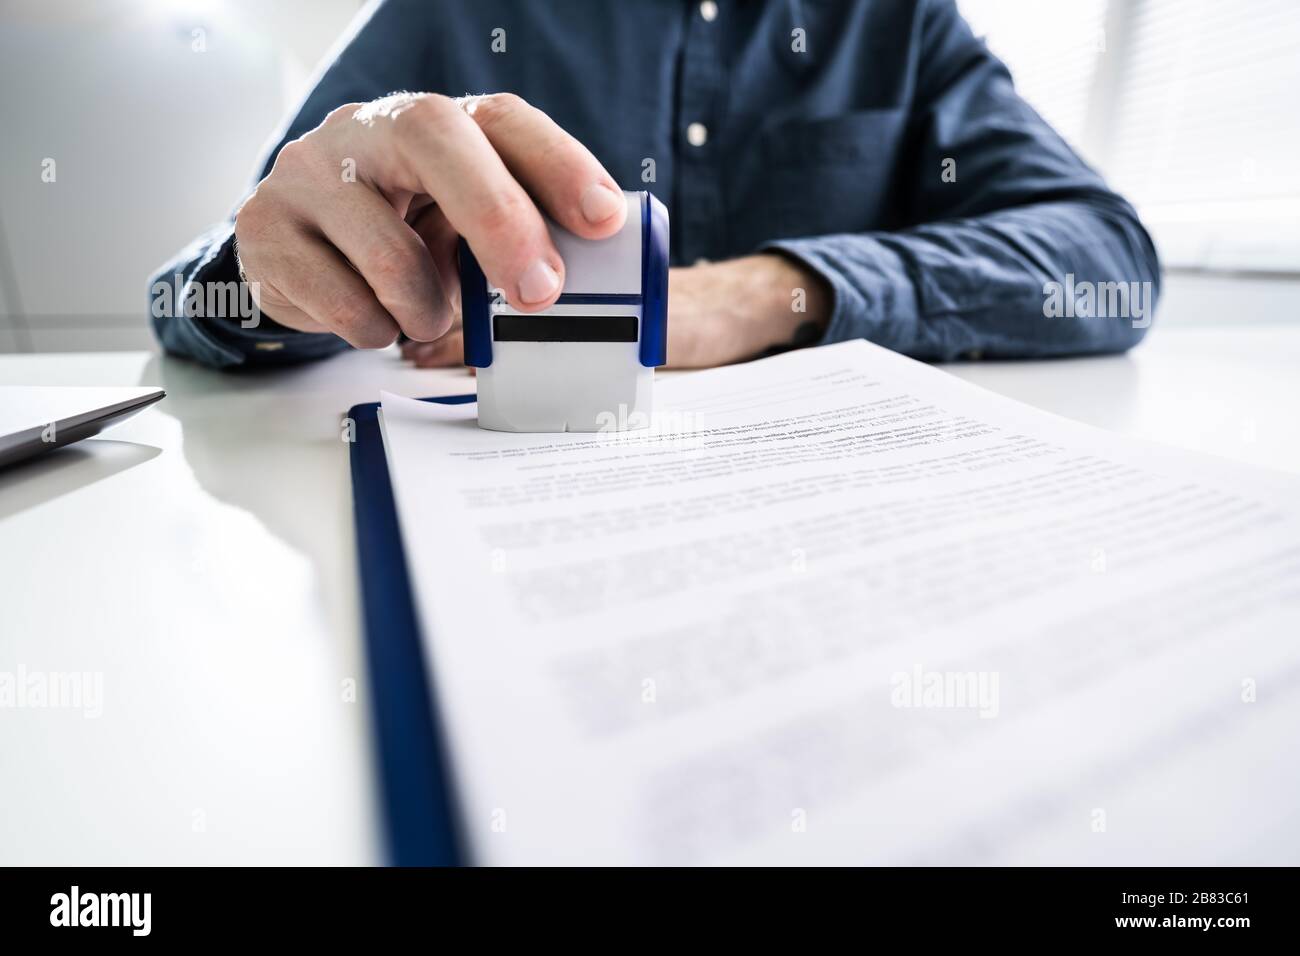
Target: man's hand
x,y
718,313
354,230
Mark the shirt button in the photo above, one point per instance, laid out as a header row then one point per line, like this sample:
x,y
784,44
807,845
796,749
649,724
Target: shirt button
x,y
697,134
709,11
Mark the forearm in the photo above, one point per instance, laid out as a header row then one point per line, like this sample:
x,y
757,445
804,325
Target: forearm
x,y
988,285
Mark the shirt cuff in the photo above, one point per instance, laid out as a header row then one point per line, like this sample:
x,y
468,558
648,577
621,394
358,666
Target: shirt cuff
x,y
223,340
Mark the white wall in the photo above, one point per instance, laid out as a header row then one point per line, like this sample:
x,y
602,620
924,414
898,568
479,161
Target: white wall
x,y
153,136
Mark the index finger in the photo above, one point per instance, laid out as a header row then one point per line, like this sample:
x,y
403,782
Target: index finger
x,y
562,174
456,165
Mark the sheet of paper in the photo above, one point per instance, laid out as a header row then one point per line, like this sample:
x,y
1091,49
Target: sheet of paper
x,y
841,607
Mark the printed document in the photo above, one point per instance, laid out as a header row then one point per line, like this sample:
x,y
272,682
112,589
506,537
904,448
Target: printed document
x,y
841,607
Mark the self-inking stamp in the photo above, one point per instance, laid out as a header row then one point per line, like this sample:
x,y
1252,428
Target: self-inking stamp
x,y
587,363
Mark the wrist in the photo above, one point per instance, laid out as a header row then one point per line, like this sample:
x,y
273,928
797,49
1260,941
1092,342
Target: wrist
x,y
743,308
791,301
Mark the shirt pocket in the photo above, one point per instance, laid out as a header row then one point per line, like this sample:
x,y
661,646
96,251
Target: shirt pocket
x,y
829,175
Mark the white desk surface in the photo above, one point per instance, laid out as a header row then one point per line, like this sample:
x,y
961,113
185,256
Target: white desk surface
x,y
201,557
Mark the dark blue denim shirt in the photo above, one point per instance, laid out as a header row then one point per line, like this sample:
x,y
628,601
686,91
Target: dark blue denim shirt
x,y
877,141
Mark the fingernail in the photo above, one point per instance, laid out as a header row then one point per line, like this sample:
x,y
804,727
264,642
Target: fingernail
x,y
600,203
539,282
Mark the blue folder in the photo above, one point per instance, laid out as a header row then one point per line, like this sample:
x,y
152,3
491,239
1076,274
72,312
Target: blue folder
x,y
418,803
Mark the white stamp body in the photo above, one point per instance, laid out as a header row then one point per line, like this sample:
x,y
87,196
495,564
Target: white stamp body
x,y
587,363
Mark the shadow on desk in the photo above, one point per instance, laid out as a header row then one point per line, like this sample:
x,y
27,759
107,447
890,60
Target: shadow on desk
x,y
56,473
